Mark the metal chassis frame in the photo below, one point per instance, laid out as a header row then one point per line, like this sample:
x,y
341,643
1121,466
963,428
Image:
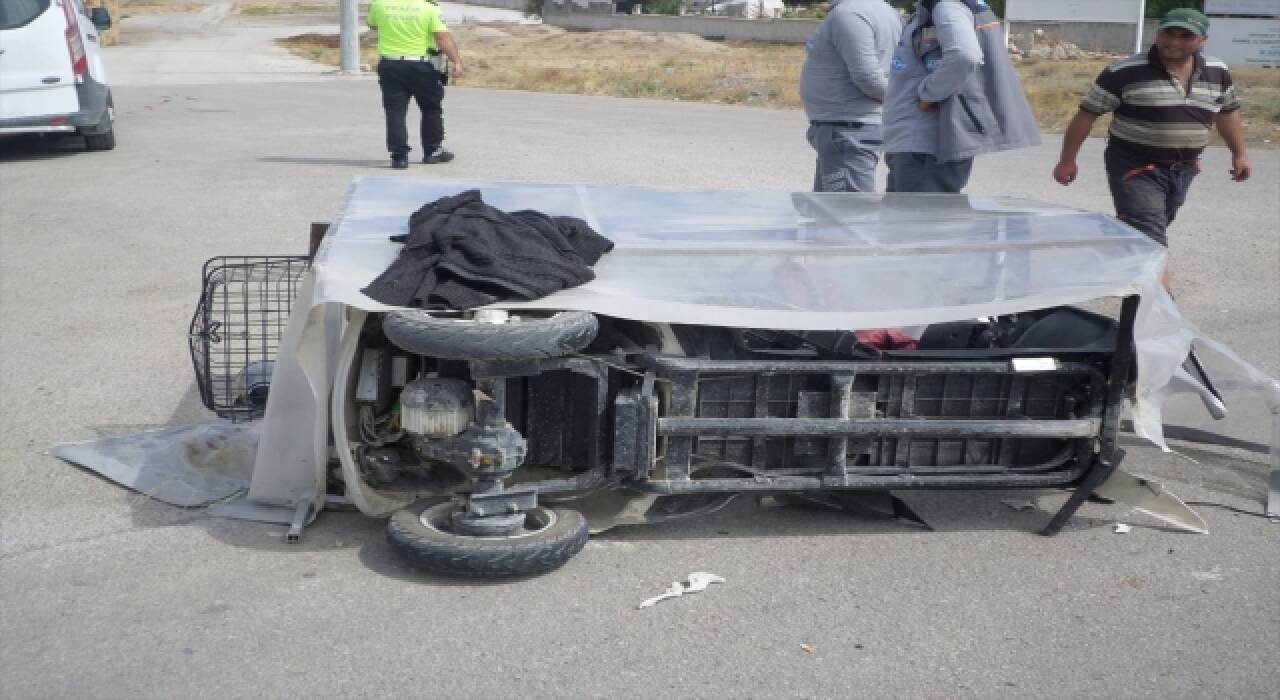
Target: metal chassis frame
x,y
680,425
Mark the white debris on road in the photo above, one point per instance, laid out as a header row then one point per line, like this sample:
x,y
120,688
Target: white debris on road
x,y
698,582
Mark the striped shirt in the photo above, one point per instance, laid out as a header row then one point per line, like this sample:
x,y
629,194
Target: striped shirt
x,y
1156,116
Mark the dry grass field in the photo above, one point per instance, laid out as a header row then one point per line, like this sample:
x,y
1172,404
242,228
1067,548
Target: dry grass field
x,y
624,63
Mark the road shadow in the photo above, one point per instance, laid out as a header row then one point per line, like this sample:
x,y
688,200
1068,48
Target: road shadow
x,y
343,162
25,147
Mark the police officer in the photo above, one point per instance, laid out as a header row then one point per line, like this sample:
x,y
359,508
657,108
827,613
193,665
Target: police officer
x,y
408,32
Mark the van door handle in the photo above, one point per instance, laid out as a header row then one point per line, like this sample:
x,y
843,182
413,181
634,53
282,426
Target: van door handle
x,y
51,80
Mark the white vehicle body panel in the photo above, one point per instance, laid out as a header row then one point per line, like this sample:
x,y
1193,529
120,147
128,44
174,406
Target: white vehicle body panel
x,y
37,80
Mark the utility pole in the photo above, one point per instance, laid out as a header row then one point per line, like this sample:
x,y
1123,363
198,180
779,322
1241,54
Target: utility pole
x,y
349,38
1142,20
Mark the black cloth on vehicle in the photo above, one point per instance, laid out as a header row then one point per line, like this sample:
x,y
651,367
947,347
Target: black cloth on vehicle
x,y
462,253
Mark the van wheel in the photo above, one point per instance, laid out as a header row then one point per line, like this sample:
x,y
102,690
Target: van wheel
x,y
100,142
104,138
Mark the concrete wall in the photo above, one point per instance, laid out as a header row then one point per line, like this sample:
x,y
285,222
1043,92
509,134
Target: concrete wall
x,y
1090,36
793,31
504,4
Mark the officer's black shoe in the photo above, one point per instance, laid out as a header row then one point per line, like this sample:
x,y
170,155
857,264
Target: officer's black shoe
x,y
400,162
438,157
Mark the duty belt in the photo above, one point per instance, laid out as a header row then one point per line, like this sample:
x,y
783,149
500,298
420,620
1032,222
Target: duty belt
x,y
419,59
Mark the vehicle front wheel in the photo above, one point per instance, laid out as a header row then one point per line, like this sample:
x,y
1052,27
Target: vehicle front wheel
x,y
549,538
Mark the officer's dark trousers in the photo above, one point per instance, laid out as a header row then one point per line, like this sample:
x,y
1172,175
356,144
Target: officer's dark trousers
x,y
401,80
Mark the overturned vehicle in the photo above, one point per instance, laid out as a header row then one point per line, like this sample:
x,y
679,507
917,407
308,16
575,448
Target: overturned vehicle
x,y
765,343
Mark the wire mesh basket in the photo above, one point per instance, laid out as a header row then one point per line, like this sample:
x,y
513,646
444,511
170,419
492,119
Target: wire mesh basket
x,y
236,329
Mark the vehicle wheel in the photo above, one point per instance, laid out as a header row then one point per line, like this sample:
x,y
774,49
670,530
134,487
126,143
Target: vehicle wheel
x,y
550,537
105,138
525,338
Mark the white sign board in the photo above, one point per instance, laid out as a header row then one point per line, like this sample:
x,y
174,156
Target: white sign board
x,y
1254,8
1245,42
1125,11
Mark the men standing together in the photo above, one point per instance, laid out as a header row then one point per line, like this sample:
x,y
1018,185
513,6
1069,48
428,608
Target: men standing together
x,y
842,86
1164,103
948,92
408,32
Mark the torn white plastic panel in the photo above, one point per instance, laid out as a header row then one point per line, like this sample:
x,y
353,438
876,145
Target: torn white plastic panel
x,y
185,465
781,260
1150,497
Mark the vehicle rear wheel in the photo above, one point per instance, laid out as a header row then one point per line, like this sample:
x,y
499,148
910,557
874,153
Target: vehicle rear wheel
x,y
519,338
549,538
104,136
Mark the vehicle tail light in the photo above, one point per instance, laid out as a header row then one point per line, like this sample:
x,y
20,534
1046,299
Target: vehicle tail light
x,y
75,45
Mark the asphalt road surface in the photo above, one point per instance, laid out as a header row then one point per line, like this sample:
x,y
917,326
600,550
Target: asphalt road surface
x,y
108,594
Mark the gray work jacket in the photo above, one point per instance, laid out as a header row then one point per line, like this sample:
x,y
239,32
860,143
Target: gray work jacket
x,y
955,56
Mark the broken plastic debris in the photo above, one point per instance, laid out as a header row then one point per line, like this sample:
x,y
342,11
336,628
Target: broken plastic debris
x,y
1213,574
1150,498
675,591
698,582
1122,529
1019,505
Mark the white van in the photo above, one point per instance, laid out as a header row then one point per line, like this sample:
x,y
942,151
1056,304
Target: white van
x,y
52,79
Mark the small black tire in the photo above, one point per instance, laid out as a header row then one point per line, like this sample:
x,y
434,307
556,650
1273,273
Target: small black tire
x,y
421,535
105,138
417,331
100,142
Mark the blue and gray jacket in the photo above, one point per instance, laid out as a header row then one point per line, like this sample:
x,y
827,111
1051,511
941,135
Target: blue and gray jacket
x,y
953,53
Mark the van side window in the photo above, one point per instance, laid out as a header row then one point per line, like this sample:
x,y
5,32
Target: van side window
x,y
18,13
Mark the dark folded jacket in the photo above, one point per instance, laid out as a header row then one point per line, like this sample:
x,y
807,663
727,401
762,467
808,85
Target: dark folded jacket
x,y
462,253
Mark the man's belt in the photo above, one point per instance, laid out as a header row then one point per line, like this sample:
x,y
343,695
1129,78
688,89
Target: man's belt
x,y
418,59
1179,164
841,125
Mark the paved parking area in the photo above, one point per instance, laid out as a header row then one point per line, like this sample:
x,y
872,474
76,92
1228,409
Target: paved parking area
x,y
108,594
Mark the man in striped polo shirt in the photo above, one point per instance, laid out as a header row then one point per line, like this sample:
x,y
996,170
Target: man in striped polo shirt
x,y
1164,103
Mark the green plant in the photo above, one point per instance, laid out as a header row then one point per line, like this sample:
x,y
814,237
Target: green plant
x,y
664,7
796,12
532,8
1158,8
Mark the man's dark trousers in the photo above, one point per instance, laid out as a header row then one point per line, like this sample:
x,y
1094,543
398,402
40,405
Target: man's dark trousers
x,y
1147,195
401,80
